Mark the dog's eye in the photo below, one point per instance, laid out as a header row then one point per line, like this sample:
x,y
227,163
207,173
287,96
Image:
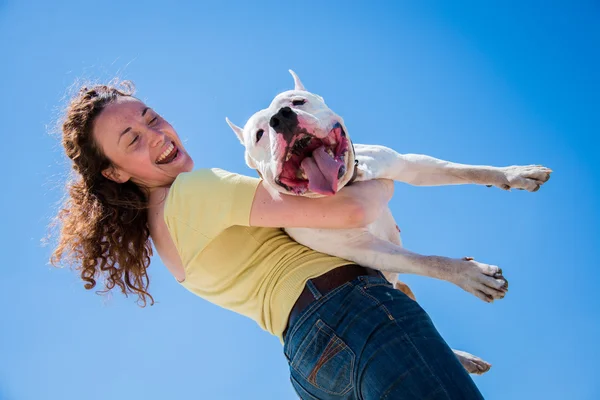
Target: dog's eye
x,y
259,134
298,102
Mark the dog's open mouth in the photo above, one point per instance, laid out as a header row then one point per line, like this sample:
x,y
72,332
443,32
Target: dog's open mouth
x,y
315,164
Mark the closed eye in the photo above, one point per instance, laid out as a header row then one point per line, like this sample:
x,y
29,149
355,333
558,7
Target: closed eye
x,y
134,139
152,120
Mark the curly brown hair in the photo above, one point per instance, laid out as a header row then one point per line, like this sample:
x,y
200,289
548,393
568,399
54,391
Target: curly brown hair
x,y
104,229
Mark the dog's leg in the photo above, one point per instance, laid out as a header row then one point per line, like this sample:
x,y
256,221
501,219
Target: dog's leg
x,y
360,246
421,170
482,280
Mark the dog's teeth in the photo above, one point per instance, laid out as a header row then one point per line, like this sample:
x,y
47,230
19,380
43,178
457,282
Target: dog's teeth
x,y
330,153
289,155
300,174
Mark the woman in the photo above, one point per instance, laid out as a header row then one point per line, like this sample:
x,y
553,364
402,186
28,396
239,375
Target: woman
x,y
347,333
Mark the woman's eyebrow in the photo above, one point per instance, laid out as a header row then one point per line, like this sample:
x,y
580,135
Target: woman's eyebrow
x,y
129,128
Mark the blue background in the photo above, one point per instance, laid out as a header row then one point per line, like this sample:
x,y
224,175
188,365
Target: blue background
x,y
502,83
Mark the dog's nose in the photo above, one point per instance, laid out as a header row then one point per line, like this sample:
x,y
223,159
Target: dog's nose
x,y
285,122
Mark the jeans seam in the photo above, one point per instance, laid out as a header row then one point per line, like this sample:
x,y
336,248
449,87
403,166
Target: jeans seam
x,y
370,285
377,302
409,340
308,311
294,379
389,389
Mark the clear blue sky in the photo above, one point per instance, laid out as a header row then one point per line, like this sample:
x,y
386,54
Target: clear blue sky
x,y
505,83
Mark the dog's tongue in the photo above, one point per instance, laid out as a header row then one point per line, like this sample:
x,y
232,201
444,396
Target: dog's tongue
x,y
322,171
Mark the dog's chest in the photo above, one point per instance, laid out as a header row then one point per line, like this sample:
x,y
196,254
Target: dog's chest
x,y
385,228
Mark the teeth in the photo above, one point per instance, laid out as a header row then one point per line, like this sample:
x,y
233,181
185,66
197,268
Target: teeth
x,y
330,153
289,155
165,153
300,174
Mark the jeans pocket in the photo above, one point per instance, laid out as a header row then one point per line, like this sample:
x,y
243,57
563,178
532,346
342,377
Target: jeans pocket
x,y
324,360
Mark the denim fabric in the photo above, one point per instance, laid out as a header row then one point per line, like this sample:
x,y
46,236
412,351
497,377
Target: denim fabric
x,y
365,340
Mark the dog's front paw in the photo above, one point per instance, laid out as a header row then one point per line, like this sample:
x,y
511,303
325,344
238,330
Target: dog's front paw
x,y
473,364
528,177
483,280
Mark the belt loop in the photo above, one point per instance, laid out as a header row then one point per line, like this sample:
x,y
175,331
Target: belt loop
x,y
313,290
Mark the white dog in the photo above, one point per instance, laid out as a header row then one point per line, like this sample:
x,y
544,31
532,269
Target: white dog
x,y
301,147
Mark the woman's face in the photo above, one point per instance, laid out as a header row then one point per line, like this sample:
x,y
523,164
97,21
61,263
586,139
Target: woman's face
x,y
141,145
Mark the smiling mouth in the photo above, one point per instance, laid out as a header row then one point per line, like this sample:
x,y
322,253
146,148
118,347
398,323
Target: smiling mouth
x,y
168,155
315,164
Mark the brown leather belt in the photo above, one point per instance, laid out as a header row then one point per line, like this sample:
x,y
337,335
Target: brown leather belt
x,y
325,284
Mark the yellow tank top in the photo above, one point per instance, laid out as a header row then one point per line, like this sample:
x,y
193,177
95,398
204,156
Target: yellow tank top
x,y
256,272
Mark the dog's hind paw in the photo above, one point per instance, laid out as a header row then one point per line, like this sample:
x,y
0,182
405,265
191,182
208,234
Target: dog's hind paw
x,y
473,365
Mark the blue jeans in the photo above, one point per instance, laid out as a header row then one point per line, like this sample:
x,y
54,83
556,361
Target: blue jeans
x,y
366,340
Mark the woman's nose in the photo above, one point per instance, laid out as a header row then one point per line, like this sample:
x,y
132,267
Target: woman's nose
x,y
157,138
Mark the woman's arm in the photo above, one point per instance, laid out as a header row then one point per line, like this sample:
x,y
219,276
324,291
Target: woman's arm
x,y
353,206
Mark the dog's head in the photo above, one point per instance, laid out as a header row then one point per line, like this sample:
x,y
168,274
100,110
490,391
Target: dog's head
x,y
298,145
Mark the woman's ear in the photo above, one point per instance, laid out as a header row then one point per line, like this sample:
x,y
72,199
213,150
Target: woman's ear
x,y
115,175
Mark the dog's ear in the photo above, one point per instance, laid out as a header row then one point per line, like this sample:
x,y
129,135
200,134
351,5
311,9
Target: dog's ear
x,y
238,131
249,161
297,83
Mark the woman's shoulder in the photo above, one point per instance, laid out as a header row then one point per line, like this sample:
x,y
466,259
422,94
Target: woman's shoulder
x,y
206,186
192,180
203,174
214,179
